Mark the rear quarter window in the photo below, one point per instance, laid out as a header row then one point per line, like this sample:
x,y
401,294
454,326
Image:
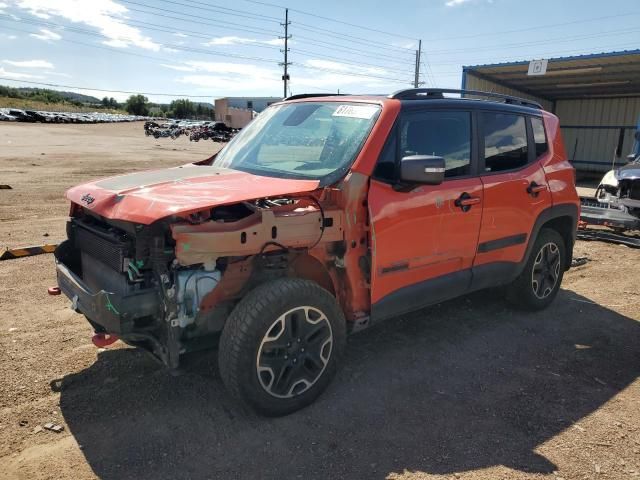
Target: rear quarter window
x,y
539,136
505,141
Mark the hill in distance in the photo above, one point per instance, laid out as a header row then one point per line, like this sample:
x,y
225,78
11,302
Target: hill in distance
x,y
72,96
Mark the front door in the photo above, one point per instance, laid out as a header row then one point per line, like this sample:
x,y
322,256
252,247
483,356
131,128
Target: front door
x,y
423,241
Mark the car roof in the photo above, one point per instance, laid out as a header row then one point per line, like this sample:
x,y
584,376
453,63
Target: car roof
x,y
433,97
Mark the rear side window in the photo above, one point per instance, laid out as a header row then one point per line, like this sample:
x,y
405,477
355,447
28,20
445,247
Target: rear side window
x,y
539,136
440,133
505,141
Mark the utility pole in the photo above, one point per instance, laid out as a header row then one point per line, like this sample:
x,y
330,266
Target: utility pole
x,y
416,80
286,63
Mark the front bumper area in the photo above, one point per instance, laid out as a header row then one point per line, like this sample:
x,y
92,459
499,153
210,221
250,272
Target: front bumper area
x,y
108,312
600,213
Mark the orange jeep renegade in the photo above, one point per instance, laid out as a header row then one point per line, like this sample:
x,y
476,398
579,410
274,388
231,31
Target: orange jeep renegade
x,y
325,215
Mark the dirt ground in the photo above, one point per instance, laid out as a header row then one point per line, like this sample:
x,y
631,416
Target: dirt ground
x,y
468,389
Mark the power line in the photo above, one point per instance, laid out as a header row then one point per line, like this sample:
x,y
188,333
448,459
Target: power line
x,y
337,46
549,55
416,80
354,39
538,42
331,19
251,43
357,40
194,16
190,20
192,33
501,32
285,64
123,52
197,50
346,61
218,9
195,34
166,45
350,74
105,90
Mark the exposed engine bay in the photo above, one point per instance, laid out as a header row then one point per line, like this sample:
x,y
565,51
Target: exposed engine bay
x,y
169,286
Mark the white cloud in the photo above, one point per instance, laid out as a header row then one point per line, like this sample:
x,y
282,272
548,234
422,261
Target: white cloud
x,y
8,37
345,68
19,76
275,41
455,3
233,40
220,78
46,35
179,68
224,77
29,63
116,43
229,68
181,35
230,40
105,15
408,45
3,5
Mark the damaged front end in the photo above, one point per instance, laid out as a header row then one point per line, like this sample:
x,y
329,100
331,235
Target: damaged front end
x,y
168,287
617,200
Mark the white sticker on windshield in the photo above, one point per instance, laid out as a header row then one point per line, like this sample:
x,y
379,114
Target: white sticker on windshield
x,y
355,111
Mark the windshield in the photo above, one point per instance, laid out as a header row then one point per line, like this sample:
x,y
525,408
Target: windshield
x,y
301,140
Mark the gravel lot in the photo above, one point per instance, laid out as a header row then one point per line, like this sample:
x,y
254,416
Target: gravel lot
x,y
468,389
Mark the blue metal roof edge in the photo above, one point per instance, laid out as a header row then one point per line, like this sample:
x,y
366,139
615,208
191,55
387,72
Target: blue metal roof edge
x,y
574,57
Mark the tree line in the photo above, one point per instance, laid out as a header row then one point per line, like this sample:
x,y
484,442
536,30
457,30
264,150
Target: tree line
x,y
181,108
135,104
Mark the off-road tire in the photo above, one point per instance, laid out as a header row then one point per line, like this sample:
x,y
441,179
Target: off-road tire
x,y
249,325
521,293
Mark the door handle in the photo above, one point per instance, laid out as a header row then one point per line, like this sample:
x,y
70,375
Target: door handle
x,y
534,189
466,201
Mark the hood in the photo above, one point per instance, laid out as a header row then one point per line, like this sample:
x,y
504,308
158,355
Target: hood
x,y
629,172
145,197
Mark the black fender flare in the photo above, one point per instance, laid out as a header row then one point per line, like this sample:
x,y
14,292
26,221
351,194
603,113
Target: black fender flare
x,y
551,213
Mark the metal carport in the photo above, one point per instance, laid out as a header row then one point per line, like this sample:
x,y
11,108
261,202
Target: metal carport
x,y
596,97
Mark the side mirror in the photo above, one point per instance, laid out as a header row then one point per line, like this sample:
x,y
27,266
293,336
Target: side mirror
x,y
424,169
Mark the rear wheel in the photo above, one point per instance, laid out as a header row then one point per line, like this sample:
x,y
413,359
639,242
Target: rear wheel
x,y
281,346
538,284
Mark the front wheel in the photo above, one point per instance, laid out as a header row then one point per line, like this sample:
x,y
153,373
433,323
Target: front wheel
x,y
281,346
538,284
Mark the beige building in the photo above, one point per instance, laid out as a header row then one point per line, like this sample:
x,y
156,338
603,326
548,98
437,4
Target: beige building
x,y
237,112
596,97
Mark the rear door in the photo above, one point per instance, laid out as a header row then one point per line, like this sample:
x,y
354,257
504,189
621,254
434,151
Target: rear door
x,y
423,242
515,186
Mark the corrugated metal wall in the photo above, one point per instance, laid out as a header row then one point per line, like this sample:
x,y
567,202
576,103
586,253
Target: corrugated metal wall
x,y
593,149
476,83
589,145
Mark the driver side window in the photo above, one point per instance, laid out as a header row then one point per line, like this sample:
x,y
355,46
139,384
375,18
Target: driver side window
x,y
444,134
440,133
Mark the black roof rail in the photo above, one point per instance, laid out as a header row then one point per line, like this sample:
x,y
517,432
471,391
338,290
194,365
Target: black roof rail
x,y
312,95
428,93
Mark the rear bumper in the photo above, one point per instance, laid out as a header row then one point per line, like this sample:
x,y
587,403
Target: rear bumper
x,y
108,312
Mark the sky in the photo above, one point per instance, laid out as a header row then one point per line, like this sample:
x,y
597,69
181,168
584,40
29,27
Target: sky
x,y
206,49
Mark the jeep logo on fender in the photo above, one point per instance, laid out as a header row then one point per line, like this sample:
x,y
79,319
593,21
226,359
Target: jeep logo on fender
x,y
88,199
